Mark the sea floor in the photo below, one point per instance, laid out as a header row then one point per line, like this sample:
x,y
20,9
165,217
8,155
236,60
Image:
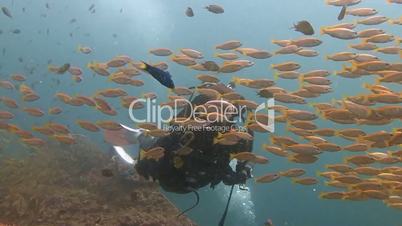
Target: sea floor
x,y
76,185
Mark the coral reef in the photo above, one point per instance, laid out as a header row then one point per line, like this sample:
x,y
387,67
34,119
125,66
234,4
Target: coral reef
x,y
78,185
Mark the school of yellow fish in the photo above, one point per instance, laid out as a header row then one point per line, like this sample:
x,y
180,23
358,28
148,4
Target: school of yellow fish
x,y
371,171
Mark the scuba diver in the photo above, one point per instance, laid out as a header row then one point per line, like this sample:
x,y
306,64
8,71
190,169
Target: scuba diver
x,y
192,159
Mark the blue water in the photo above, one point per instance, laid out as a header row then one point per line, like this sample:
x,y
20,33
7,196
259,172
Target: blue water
x,y
146,24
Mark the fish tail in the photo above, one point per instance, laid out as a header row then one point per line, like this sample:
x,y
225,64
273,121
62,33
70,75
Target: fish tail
x,y
354,66
327,57
78,49
367,86
142,154
143,66
276,75
236,80
249,118
322,30
301,79
398,41
288,124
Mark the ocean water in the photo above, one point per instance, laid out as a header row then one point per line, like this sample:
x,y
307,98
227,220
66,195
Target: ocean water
x,y
123,27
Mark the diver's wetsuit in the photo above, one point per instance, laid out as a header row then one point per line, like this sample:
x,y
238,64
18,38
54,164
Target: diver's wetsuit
x,y
208,163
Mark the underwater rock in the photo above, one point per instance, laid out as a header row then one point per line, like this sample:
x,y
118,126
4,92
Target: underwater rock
x,y
62,185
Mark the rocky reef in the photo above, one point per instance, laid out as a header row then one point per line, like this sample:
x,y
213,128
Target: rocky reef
x,y
76,185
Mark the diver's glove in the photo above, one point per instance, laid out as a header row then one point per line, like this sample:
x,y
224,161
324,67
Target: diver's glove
x,y
128,142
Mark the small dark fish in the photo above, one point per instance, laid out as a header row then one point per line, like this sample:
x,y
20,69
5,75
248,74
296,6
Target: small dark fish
x,y
63,69
114,35
4,51
342,13
47,6
189,12
6,11
16,31
23,10
107,173
73,20
121,10
211,66
217,9
91,7
163,77
93,11
1,32
71,34
20,59
304,27
47,31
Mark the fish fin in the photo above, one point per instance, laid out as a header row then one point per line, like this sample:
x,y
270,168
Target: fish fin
x,y
236,80
354,66
142,154
367,86
90,64
276,75
301,79
144,66
288,124
322,30
249,119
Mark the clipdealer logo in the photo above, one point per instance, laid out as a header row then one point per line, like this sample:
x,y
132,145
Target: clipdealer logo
x,y
225,112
